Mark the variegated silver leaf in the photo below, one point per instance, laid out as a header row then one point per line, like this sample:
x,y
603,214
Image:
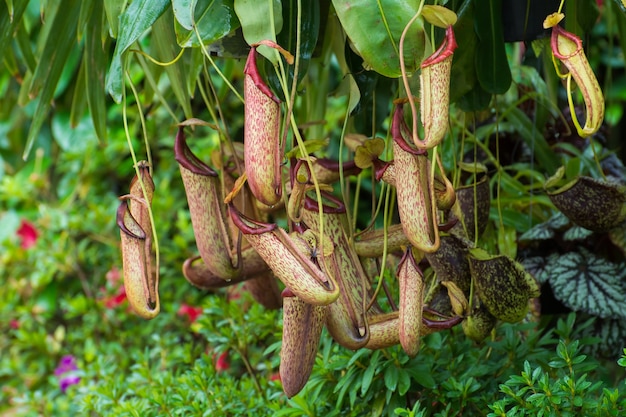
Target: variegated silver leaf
x,y
585,282
540,266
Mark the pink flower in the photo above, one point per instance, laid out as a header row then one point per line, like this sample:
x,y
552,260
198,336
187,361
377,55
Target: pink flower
x,y
221,364
28,234
113,275
191,312
14,324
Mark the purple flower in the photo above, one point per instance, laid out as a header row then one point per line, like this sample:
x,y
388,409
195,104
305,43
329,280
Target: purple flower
x,y
68,380
65,371
67,364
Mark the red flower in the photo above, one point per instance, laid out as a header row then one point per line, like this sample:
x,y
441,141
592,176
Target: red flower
x,y
116,299
113,278
221,364
27,234
191,312
14,324
275,377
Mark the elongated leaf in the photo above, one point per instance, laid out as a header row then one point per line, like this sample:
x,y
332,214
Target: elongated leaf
x,y
164,45
9,21
309,32
492,67
184,10
23,41
113,9
136,19
620,20
534,138
94,64
586,14
86,15
255,21
463,73
79,98
374,28
51,64
584,282
214,19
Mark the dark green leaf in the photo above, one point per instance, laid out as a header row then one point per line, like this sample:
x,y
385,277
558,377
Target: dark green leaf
x,y
474,100
51,63
166,49
8,23
587,14
309,32
534,139
79,98
23,41
136,19
492,66
463,72
94,64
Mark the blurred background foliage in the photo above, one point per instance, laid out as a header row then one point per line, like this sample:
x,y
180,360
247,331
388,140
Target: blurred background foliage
x,y
78,84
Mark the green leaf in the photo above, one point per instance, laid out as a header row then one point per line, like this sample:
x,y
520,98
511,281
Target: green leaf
x,y
463,72
136,19
492,66
51,63
309,32
474,100
374,30
214,19
404,382
9,21
585,282
23,41
368,376
534,139
165,49
620,19
587,14
113,10
79,98
391,377
94,64
422,374
255,21
184,11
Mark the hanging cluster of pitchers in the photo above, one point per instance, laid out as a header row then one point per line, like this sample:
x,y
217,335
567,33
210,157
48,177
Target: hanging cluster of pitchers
x,y
327,269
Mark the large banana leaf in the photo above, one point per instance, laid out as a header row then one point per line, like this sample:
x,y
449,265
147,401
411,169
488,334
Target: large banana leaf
x,y
374,29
